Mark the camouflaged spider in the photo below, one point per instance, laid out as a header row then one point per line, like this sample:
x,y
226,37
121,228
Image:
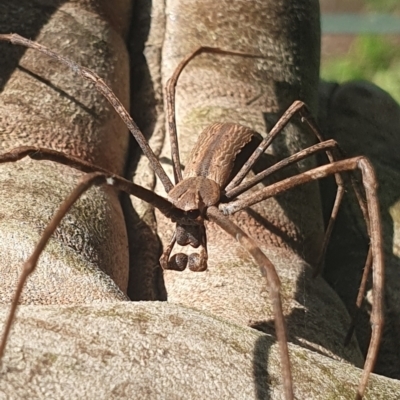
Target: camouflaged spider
x,y
209,191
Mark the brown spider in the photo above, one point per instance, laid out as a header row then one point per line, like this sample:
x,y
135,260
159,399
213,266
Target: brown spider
x,y
208,191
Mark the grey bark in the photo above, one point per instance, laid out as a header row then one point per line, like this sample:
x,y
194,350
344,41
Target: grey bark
x,y
164,350
150,350
43,104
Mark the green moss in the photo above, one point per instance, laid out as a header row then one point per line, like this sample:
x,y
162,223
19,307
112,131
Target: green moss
x,y
383,5
300,355
372,58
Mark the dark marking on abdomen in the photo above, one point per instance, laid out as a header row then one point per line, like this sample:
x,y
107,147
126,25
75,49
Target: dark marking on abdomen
x,y
214,154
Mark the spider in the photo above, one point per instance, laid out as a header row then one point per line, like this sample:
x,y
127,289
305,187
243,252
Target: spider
x,y
209,190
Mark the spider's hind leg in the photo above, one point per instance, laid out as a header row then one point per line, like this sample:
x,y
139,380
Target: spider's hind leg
x,y
374,230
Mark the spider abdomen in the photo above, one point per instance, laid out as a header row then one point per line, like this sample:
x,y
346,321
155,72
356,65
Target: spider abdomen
x,y
215,152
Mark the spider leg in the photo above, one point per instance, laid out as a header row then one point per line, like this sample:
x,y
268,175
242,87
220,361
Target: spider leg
x,y
278,127
86,182
334,153
101,86
273,283
301,155
97,178
40,153
306,116
360,296
235,187
375,232
297,107
328,146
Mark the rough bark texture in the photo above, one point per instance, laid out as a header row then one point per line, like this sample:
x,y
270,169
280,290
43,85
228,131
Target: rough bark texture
x,y
162,350
42,103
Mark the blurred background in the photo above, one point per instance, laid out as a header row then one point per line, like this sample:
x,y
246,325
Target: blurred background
x,y
361,40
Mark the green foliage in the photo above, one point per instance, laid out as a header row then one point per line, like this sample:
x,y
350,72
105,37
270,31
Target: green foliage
x,y
383,5
372,58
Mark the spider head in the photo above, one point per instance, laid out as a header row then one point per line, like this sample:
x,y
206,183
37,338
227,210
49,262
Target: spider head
x,y
195,193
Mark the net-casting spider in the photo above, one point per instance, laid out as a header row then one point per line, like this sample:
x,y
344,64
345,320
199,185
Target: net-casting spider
x,y
208,191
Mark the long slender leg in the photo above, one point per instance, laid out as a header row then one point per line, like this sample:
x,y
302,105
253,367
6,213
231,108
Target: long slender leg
x,y
329,145
375,233
107,93
370,185
329,230
307,117
323,171
301,155
273,282
323,146
278,127
39,153
235,187
333,152
297,107
86,182
89,180
170,90
360,296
